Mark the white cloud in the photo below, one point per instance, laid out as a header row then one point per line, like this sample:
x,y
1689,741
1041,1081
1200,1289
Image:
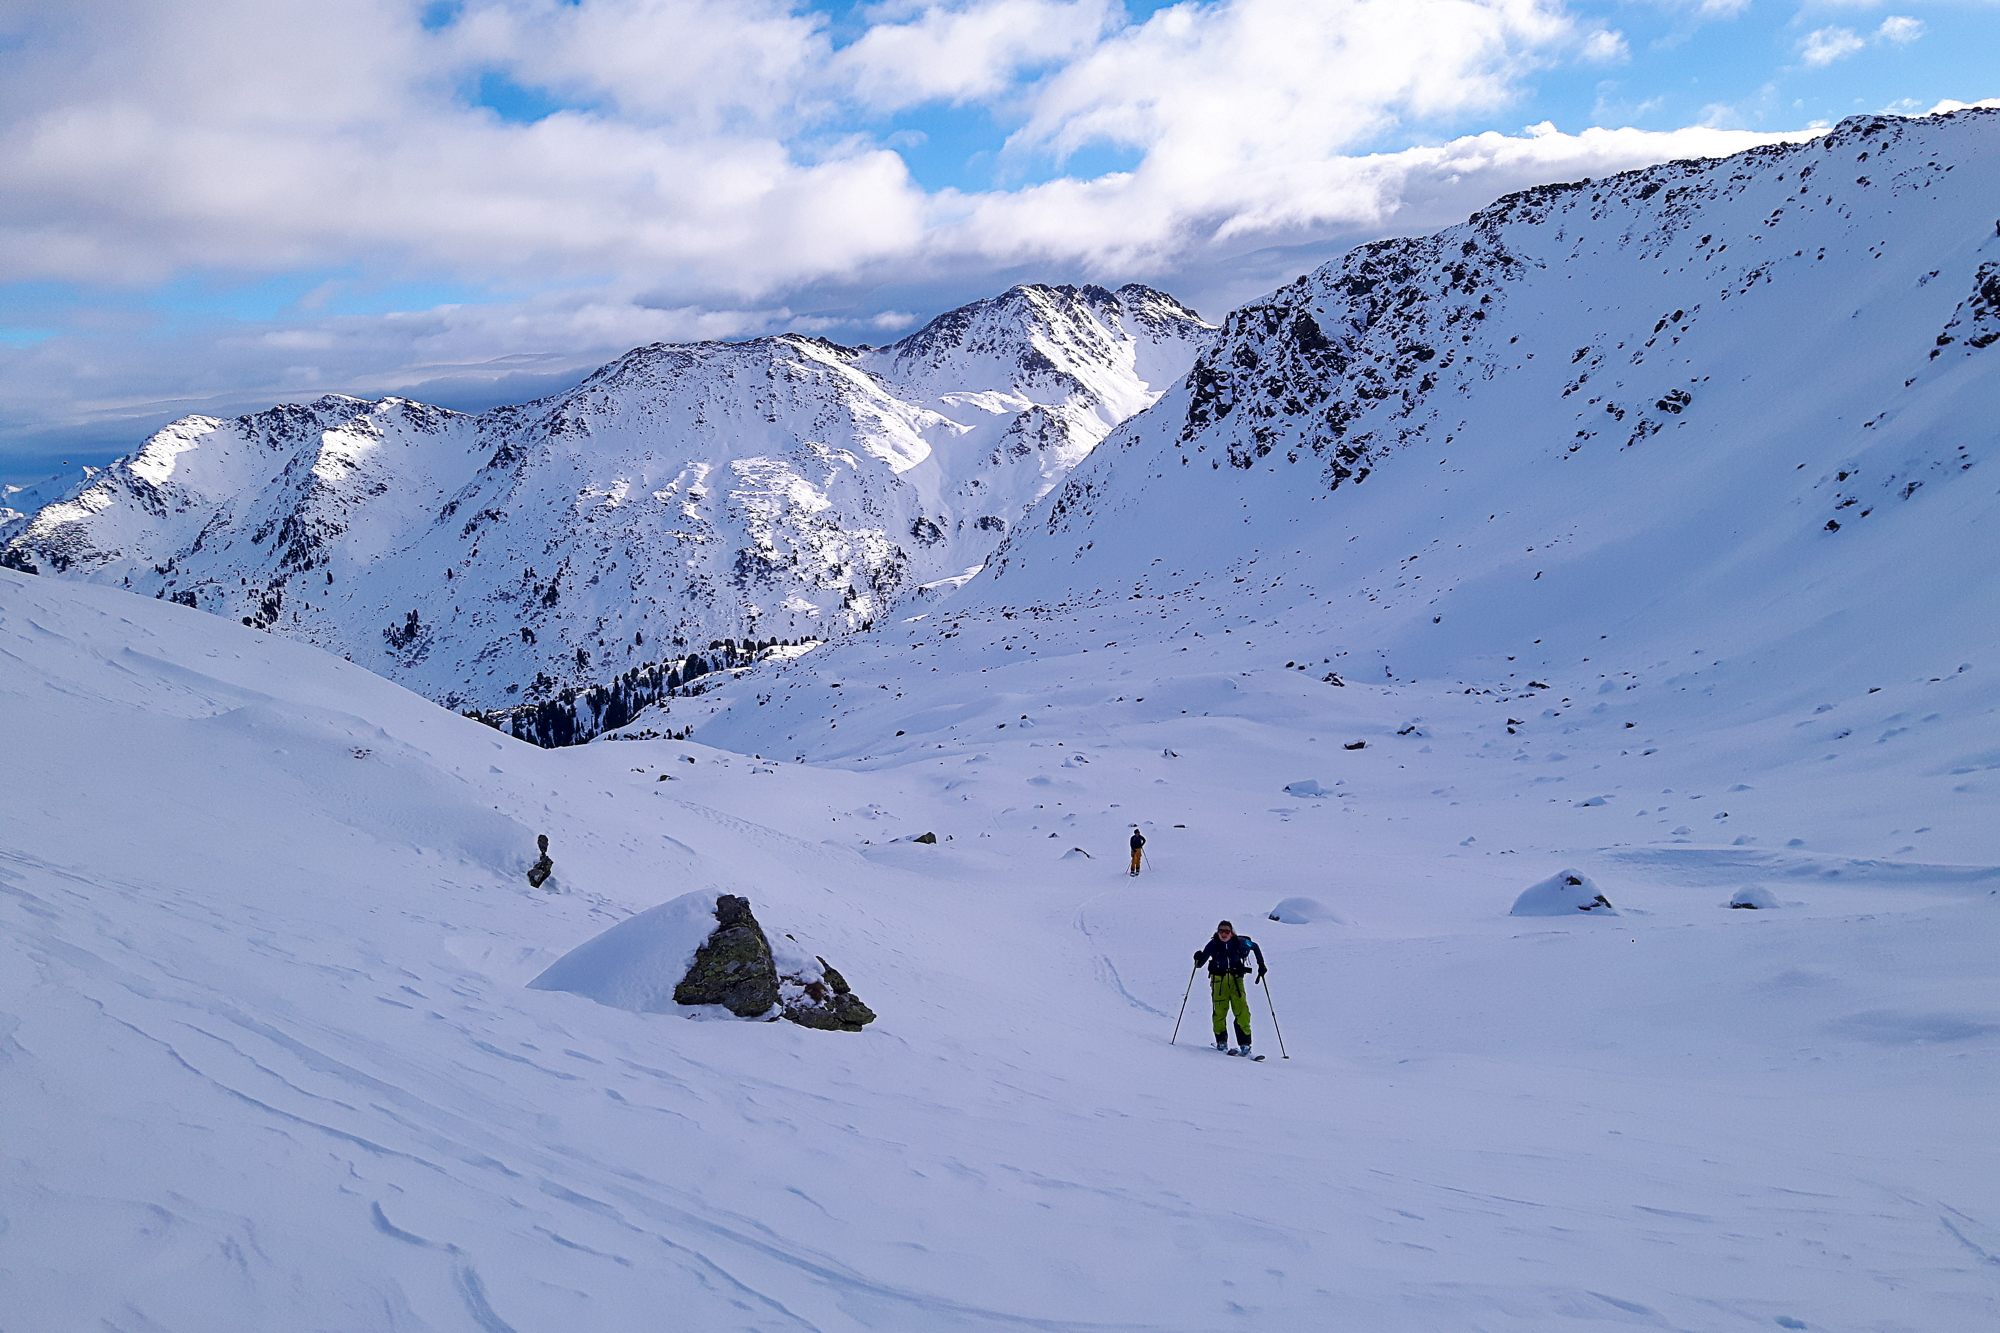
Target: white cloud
x,y
1210,90
245,136
1111,226
1823,46
1710,9
1900,29
973,51
697,65
1062,230
722,170
1604,47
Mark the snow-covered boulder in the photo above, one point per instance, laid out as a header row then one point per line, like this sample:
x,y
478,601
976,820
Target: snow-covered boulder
x,y
1561,894
1754,897
733,966
818,996
1306,788
637,963
1075,854
700,950
1304,911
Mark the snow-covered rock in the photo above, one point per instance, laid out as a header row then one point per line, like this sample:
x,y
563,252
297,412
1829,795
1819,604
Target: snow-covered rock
x,y
784,488
1754,897
1303,912
1564,893
637,963
704,951
1306,787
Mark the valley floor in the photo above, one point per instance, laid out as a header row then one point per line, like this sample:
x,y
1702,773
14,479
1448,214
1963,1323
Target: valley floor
x,y
267,1058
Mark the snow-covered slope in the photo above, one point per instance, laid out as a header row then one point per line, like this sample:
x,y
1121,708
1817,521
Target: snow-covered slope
x,y
775,489
1721,427
270,1058
18,504
271,1061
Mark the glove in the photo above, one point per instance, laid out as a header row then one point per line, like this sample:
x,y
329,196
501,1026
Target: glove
x,y
1260,974
1198,957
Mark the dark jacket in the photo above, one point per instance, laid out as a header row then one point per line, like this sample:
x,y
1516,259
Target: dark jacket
x,y
1231,959
1137,840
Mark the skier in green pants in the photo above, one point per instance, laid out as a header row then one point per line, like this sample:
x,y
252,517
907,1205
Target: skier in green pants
x,y
1228,958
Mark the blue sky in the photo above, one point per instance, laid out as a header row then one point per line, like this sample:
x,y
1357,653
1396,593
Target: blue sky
x,y
214,207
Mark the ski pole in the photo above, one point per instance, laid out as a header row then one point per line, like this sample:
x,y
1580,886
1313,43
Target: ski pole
x,y
1274,1016
1183,1014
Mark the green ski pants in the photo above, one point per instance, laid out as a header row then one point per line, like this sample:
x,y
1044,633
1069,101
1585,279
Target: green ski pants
x,y
1229,994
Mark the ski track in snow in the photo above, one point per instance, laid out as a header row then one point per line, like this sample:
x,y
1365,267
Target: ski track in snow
x,y
268,1059
1107,971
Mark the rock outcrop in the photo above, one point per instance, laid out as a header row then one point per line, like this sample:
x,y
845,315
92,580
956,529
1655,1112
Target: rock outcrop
x,y
733,966
825,1002
538,874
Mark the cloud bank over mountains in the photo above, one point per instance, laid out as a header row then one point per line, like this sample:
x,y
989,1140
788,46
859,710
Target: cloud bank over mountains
x,y
453,194
707,150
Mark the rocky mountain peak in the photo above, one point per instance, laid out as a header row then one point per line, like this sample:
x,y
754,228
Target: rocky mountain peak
x,y
782,488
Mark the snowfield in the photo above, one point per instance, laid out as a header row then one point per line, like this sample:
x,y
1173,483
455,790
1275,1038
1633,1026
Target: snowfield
x,y
270,1059
272,1062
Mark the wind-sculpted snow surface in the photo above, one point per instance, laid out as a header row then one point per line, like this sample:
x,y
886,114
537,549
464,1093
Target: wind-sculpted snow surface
x,y
783,488
272,1060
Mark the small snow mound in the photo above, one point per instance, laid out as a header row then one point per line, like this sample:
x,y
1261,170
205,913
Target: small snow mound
x,y
1595,800
1306,788
637,963
1562,894
1304,911
1075,854
1754,897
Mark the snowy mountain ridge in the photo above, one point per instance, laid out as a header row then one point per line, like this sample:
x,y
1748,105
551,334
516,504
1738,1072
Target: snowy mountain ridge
x,y
785,487
1639,346
1719,427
